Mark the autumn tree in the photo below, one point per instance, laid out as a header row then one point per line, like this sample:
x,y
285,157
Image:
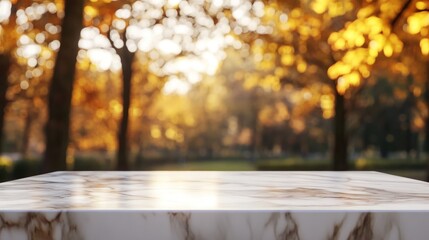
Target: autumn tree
x,y
418,28
5,62
96,107
127,58
335,43
61,88
29,39
140,29
8,43
141,121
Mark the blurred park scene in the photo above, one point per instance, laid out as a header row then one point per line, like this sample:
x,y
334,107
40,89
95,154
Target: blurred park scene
x,y
214,85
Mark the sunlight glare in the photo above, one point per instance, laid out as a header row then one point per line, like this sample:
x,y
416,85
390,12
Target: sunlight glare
x,y
29,50
183,46
168,47
5,7
176,85
102,58
173,3
173,192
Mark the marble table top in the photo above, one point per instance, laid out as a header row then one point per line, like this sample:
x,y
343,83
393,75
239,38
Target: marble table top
x,y
207,191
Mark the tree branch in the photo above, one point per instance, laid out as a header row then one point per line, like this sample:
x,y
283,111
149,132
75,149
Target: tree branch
x,y
399,15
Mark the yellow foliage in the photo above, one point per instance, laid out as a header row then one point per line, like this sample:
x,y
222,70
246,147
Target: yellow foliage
x,y
338,69
101,113
417,21
189,120
319,6
424,46
213,102
155,132
355,57
250,81
135,112
91,11
388,50
333,8
280,72
357,32
418,123
377,42
375,23
272,115
366,11
342,85
286,50
171,133
296,13
328,114
266,64
333,37
301,66
340,44
359,40
364,71
352,78
326,102
287,59
115,107
6,162
421,5
297,124
287,55
361,163
417,91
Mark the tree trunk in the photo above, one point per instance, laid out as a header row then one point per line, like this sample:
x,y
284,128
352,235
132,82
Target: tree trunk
x,y
5,63
127,58
385,131
340,135
408,105
426,143
408,132
27,131
61,88
256,131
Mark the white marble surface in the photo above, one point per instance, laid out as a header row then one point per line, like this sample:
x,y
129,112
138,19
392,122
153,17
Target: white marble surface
x,y
208,191
214,205
216,225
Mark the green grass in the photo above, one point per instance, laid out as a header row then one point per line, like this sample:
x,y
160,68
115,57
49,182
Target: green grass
x,y
325,164
388,164
293,164
208,166
288,164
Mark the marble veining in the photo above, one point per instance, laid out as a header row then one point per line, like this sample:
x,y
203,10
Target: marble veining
x,y
227,225
214,206
247,191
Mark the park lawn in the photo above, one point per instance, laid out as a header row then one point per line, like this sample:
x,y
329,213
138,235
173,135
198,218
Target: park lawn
x,y
414,174
248,166
208,166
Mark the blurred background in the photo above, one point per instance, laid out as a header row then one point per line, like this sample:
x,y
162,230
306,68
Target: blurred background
x,y
214,85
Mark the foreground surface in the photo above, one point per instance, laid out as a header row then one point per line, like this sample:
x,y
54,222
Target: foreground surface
x,y
214,205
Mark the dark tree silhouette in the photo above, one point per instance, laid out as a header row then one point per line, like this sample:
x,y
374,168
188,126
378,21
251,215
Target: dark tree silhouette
x,y
127,59
5,63
61,88
426,143
127,62
340,133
